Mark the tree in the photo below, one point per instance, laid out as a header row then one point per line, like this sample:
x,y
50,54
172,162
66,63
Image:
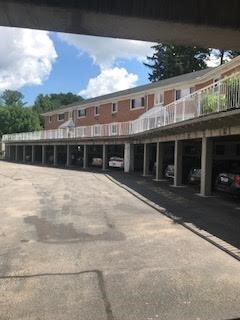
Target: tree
x,y
170,60
11,98
224,55
48,102
17,118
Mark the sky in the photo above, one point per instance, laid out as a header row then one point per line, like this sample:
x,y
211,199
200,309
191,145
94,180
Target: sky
x,y
35,62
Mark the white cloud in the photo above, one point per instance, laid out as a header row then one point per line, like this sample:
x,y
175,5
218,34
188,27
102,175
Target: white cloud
x,y
109,80
26,57
105,51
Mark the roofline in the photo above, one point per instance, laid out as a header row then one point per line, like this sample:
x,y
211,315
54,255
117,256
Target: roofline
x,y
151,89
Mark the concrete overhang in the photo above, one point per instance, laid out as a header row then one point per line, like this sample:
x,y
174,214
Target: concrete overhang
x,y
206,23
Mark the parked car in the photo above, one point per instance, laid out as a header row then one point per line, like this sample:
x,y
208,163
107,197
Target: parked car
x,y
228,182
116,162
169,171
97,162
194,176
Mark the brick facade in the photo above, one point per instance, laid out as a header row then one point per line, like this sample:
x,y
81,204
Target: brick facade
x,y
124,111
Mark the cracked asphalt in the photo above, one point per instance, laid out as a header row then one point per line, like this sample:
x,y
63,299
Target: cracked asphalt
x,y
74,245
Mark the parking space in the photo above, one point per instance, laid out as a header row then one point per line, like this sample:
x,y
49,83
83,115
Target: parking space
x,y
76,245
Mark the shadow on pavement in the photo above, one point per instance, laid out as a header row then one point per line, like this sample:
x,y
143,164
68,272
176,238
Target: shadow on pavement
x,y
218,216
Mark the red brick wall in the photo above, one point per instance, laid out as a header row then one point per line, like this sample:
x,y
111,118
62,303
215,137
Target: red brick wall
x,y
203,84
123,114
229,72
169,96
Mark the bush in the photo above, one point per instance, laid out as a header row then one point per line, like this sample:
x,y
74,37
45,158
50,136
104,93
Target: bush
x,y
232,87
209,103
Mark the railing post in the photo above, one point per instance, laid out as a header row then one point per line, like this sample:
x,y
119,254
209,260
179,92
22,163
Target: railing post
x,y
198,104
175,113
184,109
218,99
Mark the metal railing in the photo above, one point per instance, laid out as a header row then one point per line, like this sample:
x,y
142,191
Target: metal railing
x,y
220,96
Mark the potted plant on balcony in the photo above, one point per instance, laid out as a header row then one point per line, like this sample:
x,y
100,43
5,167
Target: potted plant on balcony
x,y
232,89
211,103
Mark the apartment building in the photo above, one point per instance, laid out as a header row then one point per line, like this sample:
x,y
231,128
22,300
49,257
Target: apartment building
x,y
152,124
130,104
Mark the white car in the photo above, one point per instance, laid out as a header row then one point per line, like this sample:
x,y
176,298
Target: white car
x,y
116,162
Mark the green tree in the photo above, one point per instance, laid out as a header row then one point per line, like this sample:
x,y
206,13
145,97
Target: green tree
x,y
11,98
18,118
170,60
48,102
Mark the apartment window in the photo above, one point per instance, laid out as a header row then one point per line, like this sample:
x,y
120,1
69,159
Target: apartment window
x,y
82,113
159,98
114,107
178,95
216,87
97,130
97,111
138,103
181,93
114,129
61,117
50,119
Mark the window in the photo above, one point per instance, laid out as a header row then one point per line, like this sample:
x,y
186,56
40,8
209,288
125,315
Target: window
x,y
61,117
159,98
182,93
178,95
50,119
81,113
114,107
138,103
97,130
216,87
192,89
114,129
97,111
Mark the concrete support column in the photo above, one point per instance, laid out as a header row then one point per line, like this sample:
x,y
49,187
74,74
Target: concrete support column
x,y
16,153
104,157
55,155
206,167
178,163
43,154
68,156
146,155
159,161
85,156
33,154
128,157
24,153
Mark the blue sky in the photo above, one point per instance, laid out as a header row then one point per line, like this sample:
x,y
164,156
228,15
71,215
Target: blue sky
x,y
75,65
35,62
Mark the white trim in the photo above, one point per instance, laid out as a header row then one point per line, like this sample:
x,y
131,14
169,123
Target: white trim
x,y
138,97
114,124
60,120
80,117
96,114
116,104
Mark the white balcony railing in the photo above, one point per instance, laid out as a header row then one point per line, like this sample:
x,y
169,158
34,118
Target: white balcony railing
x,y
220,96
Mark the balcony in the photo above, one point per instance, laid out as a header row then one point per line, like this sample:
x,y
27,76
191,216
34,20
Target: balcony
x,y
221,96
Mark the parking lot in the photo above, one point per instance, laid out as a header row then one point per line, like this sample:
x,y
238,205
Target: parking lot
x,y
92,245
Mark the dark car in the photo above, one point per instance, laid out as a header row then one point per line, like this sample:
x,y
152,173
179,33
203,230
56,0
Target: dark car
x,y
194,176
228,182
169,171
